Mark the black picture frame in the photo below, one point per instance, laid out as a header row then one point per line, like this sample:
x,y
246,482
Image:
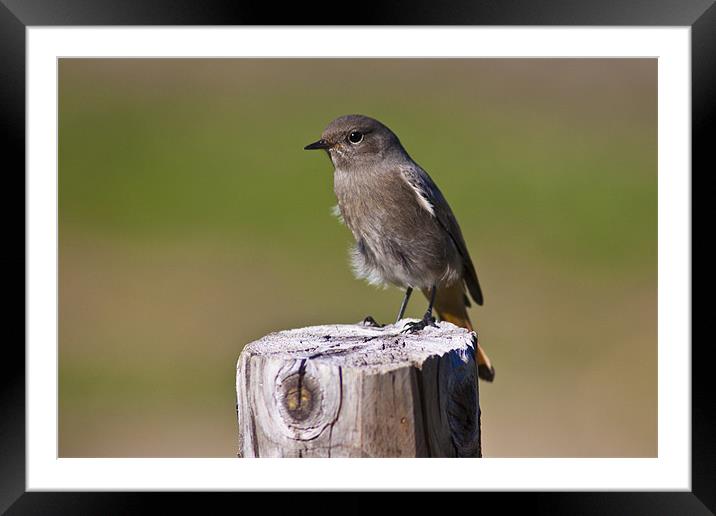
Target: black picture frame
x,y
17,15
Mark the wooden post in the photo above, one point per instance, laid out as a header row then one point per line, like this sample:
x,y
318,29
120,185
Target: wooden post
x,y
358,391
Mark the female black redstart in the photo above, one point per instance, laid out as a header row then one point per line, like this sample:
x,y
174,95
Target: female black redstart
x,y
406,234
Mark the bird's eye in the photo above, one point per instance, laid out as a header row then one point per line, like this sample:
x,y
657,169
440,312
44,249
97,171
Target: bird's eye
x,y
355,137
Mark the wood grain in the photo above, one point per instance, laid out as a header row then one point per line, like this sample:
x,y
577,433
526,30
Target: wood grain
x,y
357,391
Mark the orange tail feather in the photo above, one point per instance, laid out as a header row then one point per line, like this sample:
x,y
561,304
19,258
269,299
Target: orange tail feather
x,y
450,306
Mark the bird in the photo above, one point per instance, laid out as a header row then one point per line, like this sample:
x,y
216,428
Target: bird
x,y
405,232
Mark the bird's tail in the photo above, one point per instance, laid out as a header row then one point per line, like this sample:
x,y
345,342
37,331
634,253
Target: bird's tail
x,y
451,306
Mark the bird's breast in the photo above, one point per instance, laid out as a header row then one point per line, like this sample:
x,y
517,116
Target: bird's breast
x,y
377,206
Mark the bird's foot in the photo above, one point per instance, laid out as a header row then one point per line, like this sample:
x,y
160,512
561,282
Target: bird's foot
x,y
416,326
369,321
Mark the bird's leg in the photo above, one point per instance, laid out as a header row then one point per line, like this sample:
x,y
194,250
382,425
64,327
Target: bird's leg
x,y
404,304
428,319
369,321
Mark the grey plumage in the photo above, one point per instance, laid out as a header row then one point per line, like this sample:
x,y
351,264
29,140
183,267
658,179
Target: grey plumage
x,y
405,231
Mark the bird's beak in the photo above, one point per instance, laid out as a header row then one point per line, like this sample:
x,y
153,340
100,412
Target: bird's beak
x,y
320,144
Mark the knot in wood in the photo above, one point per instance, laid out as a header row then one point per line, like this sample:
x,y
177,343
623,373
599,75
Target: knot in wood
x,y
301,395
306,399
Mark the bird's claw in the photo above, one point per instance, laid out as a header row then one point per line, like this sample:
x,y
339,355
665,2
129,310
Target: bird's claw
x,y
416,326
369,321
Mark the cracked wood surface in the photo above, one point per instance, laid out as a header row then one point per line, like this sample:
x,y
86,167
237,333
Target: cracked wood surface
x,y
348,390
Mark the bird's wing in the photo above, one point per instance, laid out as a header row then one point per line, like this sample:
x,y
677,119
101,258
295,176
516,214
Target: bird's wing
x,y
432,200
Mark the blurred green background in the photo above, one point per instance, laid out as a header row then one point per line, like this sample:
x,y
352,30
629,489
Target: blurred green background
x,y
192,222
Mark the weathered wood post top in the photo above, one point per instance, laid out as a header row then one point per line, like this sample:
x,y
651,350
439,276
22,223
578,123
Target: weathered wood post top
x,y
350,390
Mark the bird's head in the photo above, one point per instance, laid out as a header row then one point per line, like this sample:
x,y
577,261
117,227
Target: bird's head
x,y
357,140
